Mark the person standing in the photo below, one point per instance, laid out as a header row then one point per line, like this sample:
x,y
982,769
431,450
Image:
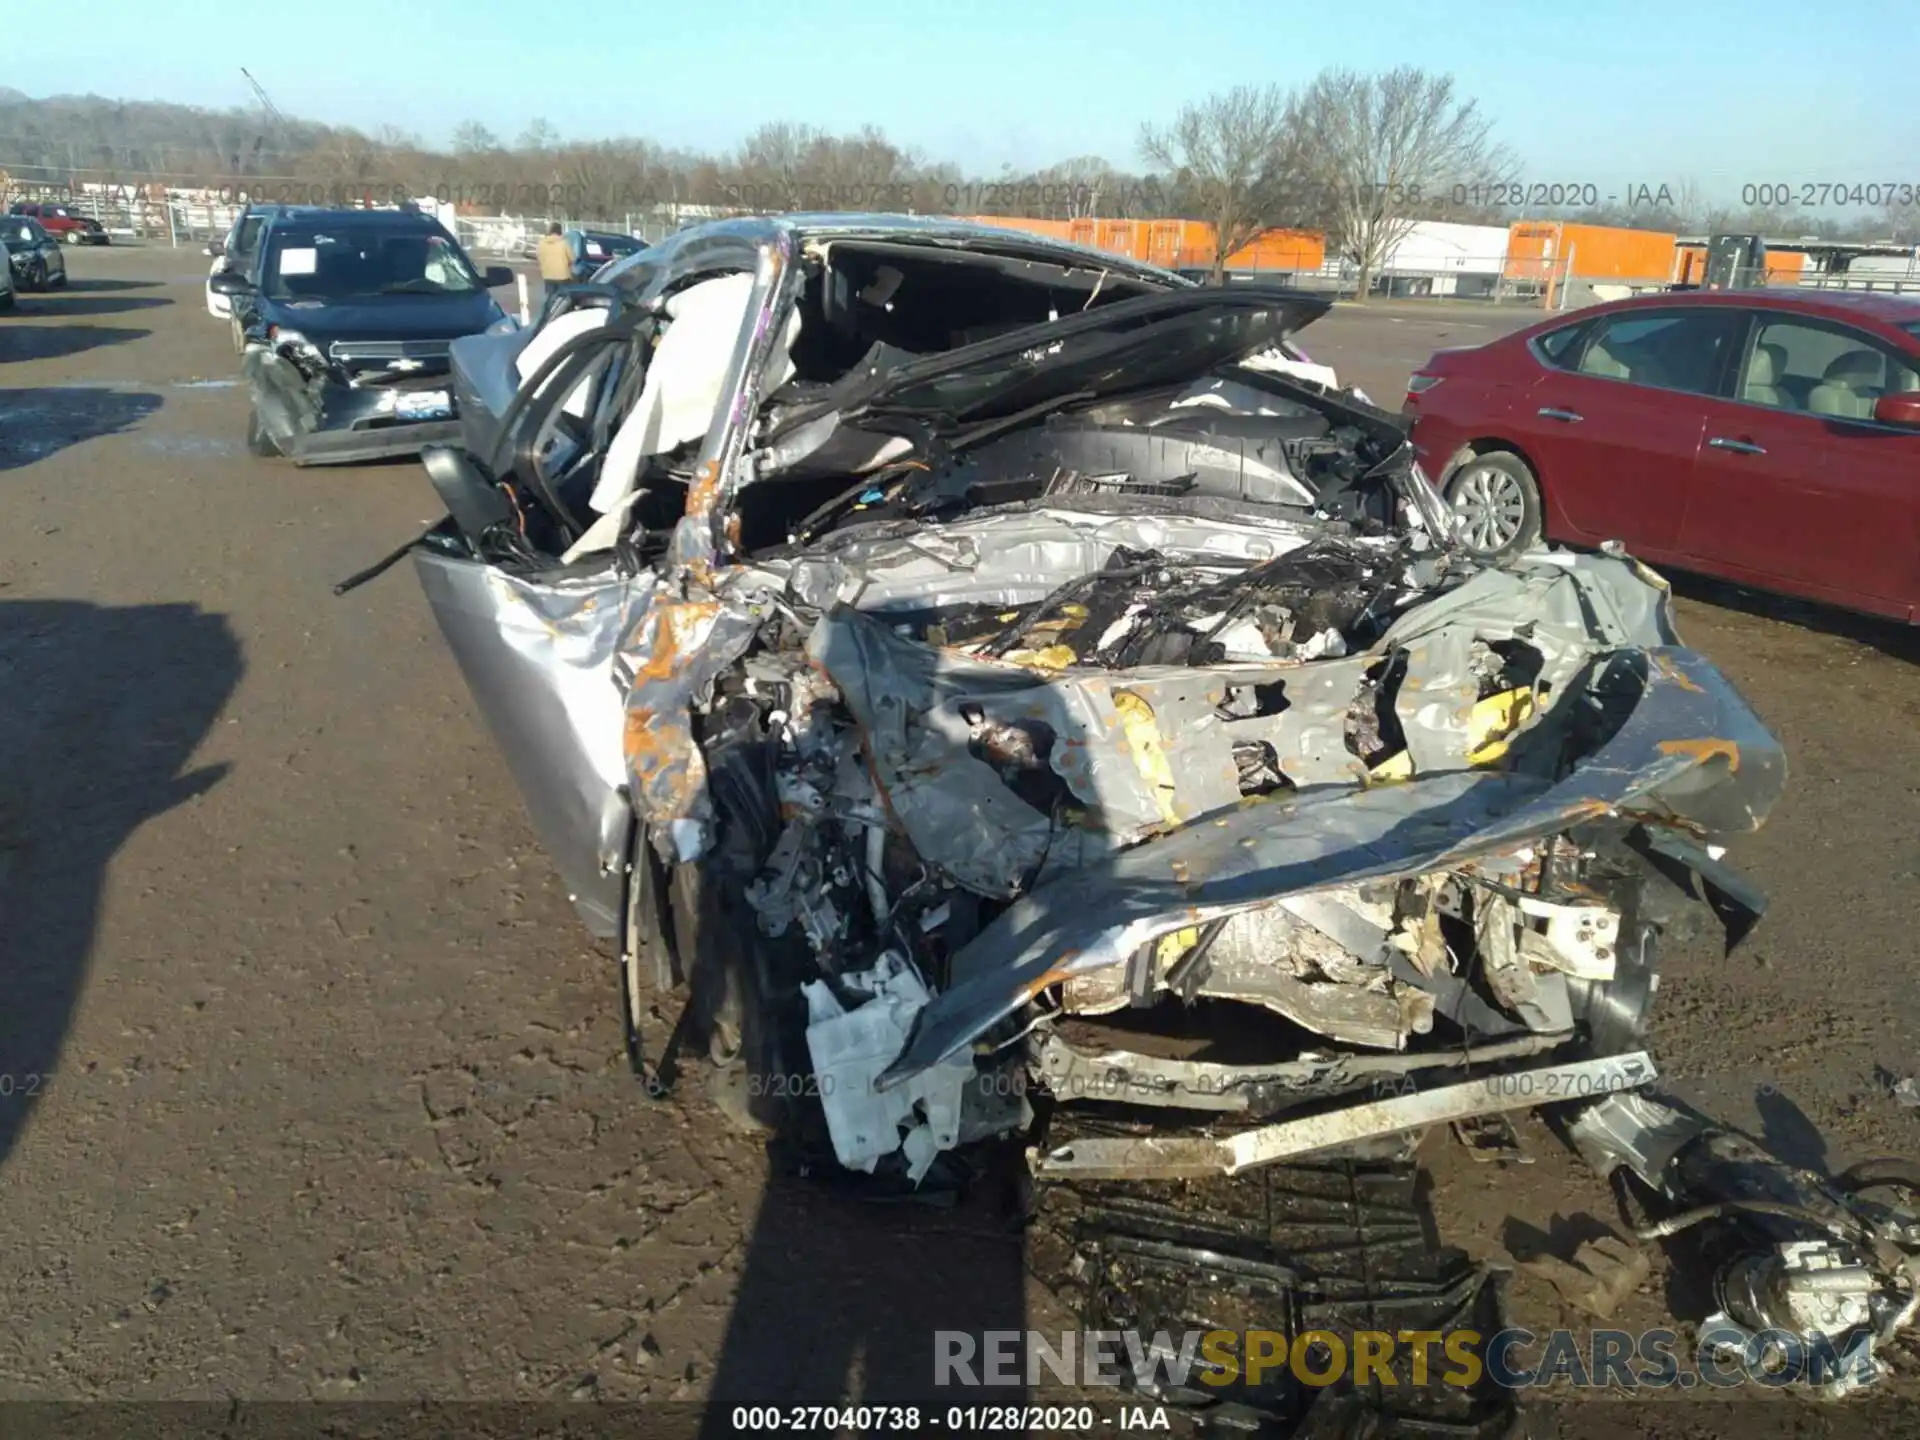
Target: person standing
x,y
556,259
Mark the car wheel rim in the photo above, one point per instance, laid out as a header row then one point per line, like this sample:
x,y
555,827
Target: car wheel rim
x,y
1492,507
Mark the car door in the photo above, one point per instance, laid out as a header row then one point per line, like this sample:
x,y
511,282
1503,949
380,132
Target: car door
x,y
220,306
1797,487
1614,427
56,257
538,652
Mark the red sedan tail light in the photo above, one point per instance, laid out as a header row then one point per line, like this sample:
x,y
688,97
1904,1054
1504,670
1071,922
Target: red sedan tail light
x,y
1417,383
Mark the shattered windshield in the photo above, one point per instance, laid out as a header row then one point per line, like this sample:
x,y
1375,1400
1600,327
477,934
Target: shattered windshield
x,y
345,262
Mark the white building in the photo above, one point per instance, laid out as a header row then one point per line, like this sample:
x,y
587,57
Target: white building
x,y
1437,257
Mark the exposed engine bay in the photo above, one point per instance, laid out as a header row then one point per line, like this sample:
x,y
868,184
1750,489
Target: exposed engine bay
x,y
1093,718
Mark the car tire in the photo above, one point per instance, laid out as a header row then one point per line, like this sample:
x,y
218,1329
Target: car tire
x,y
1496,498
61,283
258,441
36,276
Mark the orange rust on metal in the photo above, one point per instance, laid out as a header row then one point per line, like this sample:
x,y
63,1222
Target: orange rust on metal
x,y
705,488
1671,822
1060,973
679,627
1675,674
1706,748
642,747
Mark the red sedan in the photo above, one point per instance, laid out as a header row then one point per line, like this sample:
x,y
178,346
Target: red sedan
x,y
1771,437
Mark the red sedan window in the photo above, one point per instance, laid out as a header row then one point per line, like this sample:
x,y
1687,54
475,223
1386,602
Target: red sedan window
x,y
1670,349
1821,368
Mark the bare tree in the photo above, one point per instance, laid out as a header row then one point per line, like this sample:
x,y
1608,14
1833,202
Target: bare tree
x,y
538,137
470,137
1230,159
1377,147
1079,187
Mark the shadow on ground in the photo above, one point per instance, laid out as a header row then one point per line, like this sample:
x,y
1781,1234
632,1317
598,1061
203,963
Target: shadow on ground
x,y
37,423
845,1297
103,710
20,342
1900,641
63,304
101,286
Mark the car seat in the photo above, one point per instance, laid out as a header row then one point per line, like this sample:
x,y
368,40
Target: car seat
x,y
1764,369
1600,361
1851,386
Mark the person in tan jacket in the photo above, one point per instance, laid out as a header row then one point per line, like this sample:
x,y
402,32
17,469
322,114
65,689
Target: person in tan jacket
x,y
556,258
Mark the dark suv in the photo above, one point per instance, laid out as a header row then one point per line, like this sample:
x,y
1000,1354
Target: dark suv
x,y
64,223
346,316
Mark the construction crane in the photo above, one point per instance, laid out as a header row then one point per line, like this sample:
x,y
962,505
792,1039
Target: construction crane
x,y
260,94
273,114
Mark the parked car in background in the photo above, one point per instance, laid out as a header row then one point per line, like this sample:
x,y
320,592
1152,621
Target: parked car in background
x,y
64,223
346,316
594,248
238,252
33,255
1768,437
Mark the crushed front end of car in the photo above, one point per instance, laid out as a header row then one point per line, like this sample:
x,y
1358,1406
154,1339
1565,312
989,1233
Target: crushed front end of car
x,y
1085,742
341,402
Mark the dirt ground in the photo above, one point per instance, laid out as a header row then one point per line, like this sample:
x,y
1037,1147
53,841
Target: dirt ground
x,y
311,1085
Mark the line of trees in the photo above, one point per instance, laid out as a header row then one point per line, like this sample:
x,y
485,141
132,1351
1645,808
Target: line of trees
x,y
1357,156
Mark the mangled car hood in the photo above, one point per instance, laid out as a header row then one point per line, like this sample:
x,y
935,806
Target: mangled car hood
x,y
1127,346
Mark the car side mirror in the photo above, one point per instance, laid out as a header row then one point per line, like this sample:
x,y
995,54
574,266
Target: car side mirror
x,y
228,283
1902,408
496,276
214,247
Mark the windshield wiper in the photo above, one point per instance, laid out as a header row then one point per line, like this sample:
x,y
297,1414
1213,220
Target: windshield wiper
x,y
420,286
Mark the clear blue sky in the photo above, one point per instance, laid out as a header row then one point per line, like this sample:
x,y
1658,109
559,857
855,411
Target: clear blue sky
x,y
1612,92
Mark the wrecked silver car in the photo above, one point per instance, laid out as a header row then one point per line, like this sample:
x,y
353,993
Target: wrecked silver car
x,y
996,685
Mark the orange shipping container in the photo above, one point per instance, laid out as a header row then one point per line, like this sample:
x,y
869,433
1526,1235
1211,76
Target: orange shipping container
x,y
1539,249
1277,250
1784,267
1052,229
1178,244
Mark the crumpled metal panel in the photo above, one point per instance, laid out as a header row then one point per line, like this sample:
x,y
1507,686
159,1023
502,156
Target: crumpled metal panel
x,y
678,645
1566,606
1011,559
953,806
913,701
1690,751
540,659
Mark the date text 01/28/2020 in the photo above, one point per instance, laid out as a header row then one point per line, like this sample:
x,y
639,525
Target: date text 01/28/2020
x,y
912,1419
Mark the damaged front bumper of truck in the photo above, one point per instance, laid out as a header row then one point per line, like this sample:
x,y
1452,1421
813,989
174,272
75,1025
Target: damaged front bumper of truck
x,y
1150,787
358,402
